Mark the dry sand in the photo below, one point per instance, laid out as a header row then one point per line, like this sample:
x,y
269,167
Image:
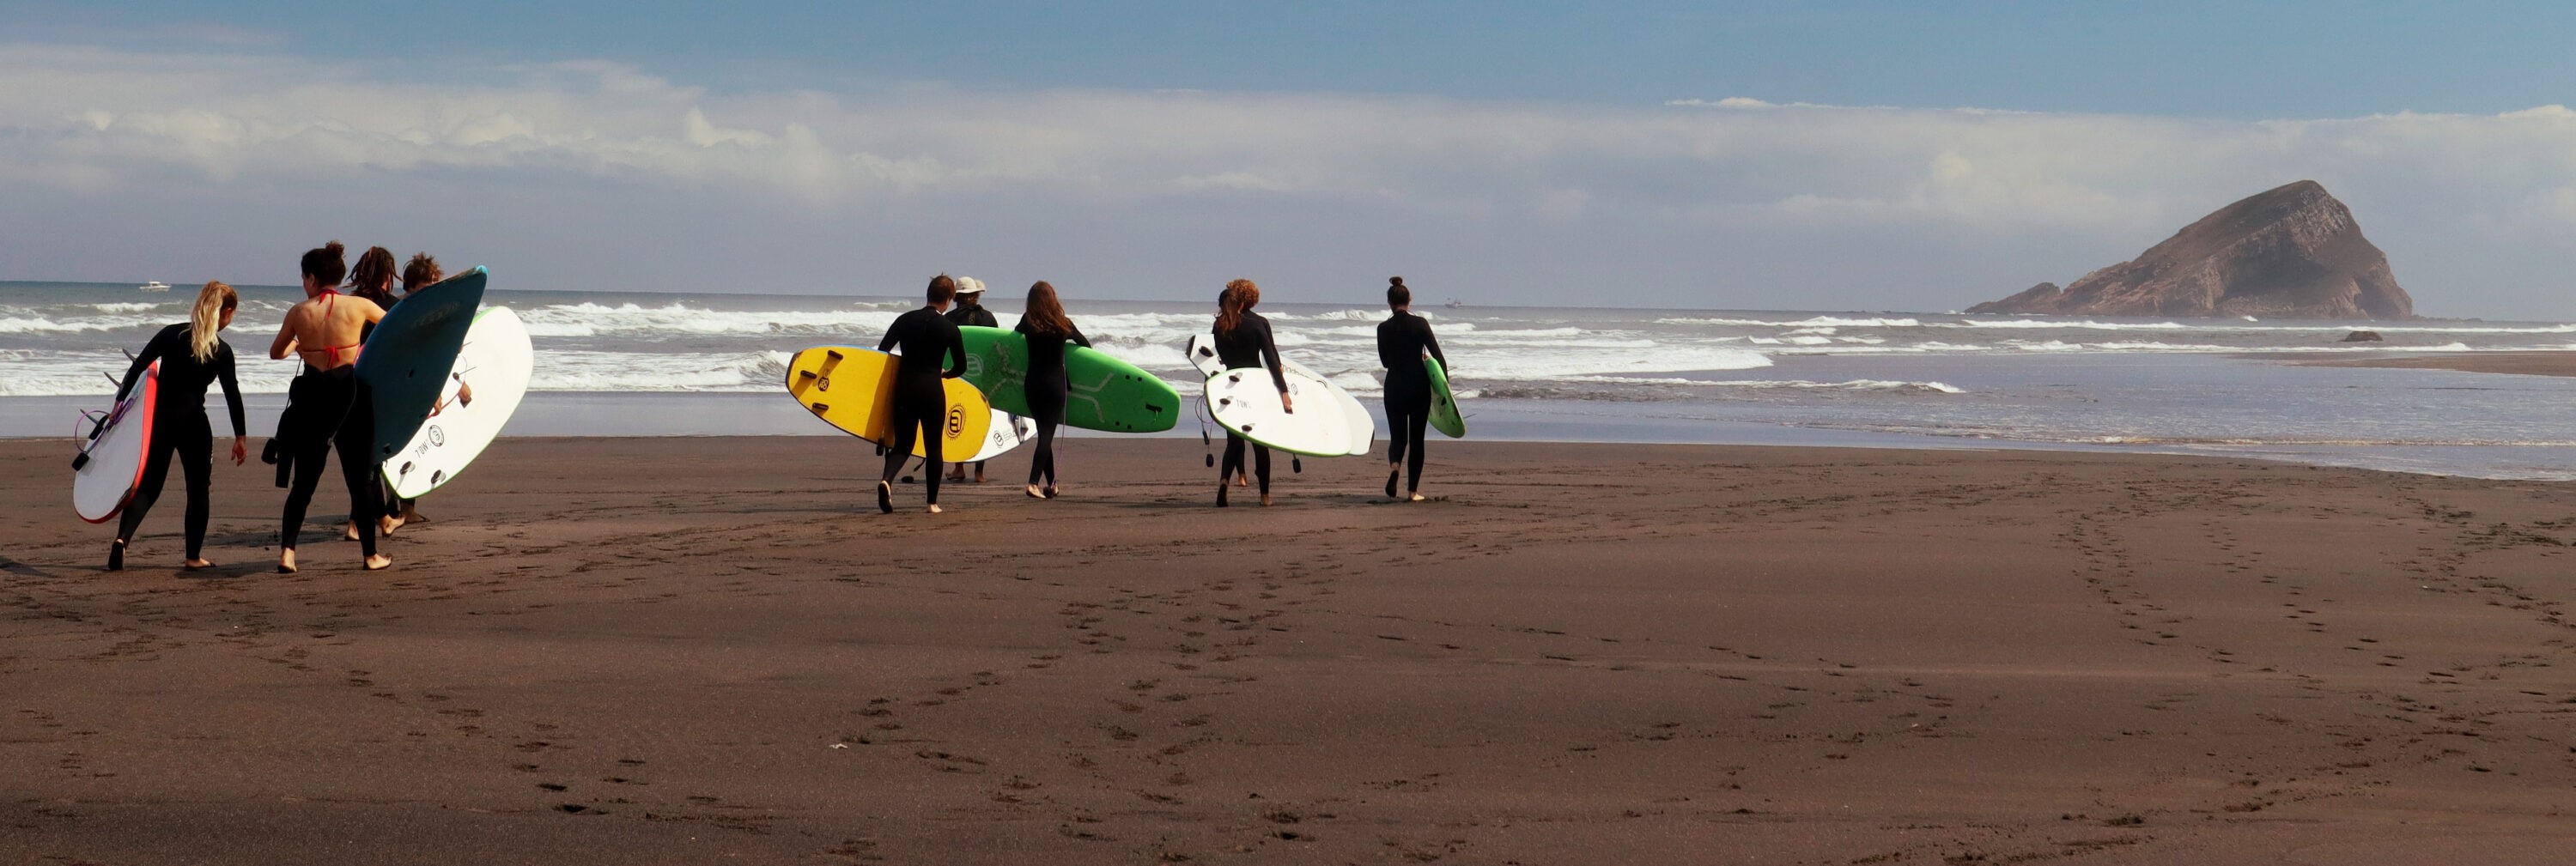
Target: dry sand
x,y
714,650
2521,363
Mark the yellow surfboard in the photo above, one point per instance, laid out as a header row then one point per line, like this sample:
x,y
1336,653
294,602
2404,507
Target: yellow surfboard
x,y
853,389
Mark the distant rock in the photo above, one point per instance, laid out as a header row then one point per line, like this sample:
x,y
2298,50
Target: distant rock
x,y
2360,337
2290,252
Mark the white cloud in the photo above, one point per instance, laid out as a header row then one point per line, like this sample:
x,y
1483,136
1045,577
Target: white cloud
x,y
1732,191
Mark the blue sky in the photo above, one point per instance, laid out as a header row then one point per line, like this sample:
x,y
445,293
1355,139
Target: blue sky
x,y
1744,155
2217,59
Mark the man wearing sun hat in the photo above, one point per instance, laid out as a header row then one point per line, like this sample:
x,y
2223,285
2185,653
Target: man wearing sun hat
x,y
970,311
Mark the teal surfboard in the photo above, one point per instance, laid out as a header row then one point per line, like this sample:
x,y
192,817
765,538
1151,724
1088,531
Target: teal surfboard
x,y
1105,393
1444,405
407,358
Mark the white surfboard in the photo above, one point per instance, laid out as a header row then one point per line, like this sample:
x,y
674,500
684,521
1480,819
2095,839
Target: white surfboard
x,y
1356,420
111,462
1008,431
495,364
1360,427
1245,402
1202,352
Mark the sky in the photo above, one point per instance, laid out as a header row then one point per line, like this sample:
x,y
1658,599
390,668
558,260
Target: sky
x,y
1828,156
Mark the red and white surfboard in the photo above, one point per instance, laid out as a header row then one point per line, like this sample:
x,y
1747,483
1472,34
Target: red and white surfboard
x,y
104,482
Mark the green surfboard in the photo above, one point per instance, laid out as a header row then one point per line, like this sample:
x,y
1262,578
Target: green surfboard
x,y
1105,393
1444,405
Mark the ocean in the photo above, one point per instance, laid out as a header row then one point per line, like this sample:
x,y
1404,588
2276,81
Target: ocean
x,y
710,364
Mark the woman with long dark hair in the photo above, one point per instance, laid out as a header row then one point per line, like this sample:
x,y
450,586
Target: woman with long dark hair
x,y
1048,330
1243,340
327,405
192,355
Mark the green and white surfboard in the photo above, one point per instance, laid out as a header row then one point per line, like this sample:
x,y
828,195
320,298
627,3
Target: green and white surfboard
x,y
1106,393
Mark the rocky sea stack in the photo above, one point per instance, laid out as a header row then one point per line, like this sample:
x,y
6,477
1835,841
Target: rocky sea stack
x,y
2291,252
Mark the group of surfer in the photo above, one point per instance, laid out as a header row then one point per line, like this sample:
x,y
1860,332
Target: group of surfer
x,y
328,407
930,348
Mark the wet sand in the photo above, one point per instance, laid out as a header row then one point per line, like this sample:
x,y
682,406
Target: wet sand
x,y
2519,363
714,650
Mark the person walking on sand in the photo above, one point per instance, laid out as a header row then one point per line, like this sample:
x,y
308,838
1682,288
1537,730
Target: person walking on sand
x,y
327,405
970,312
192,355
1243,340
419,273
373,279
929,342
1403,340
1048,330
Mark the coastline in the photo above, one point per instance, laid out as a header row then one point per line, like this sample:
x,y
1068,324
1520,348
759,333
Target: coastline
x,y
679,649
2511,363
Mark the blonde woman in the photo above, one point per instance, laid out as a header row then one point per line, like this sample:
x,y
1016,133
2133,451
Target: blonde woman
x,y
192,355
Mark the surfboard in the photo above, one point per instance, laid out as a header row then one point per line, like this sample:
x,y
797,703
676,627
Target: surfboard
x,y
408,357
853,389
1103,392
1444,405
482,391
110,464
1245,402
1202,352
1007,432
1358,424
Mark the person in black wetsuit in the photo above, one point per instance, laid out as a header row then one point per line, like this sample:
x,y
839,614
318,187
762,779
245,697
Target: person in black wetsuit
x,y
970,311
419,273
1243,340
1402,341
327,405
1048,330
373,279
192,356
929,341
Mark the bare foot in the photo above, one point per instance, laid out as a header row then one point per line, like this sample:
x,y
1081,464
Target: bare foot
x,y
1265,500
979,477
286,561
349,531
379,562
198,564
1034,494
1242,481
934,508
385,526
1050,491
1416,497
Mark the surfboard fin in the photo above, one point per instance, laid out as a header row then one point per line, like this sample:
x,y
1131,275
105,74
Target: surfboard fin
x,y
1297,466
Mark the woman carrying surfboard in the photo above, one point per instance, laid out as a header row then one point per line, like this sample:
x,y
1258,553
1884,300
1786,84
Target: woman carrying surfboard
x,y
1047,328
929,342
327,405
1243,340
372,278
1403,340
192,356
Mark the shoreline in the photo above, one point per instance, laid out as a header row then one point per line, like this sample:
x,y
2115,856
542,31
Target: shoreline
x,y
2504,363
682,649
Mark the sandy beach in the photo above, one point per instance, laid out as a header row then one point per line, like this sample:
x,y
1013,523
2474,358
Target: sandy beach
x,y
2519,363
695,650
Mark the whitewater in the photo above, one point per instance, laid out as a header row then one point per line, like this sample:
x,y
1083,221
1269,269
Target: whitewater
x,y
652,363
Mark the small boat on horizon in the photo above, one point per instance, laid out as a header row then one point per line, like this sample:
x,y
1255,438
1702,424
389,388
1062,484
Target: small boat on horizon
x,y
153,286
1454,303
